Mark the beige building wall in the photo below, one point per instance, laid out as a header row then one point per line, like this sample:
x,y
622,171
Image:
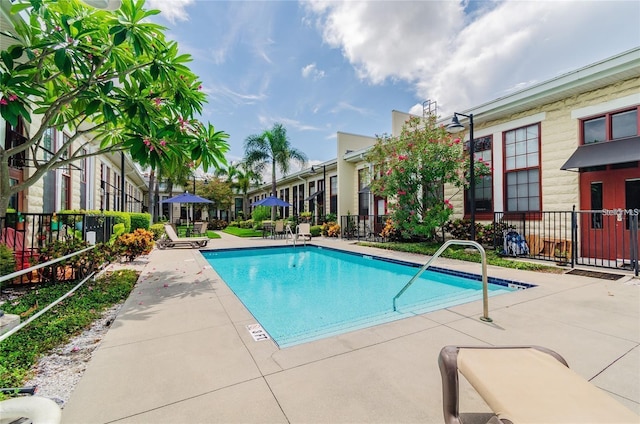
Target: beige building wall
x,y
351,150
34,194
559,122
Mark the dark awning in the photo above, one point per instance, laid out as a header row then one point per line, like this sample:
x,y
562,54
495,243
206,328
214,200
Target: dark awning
x,y
314,195
605,153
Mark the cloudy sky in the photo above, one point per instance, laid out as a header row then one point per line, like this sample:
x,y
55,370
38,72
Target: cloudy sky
x,y
320,67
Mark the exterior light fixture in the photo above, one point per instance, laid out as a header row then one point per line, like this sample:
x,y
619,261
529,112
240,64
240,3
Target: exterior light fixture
x,y
455,127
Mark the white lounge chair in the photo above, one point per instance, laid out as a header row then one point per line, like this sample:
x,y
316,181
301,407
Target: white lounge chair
x,y
171,239
304,231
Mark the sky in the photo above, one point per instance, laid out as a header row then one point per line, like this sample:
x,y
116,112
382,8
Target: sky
x,y
322,67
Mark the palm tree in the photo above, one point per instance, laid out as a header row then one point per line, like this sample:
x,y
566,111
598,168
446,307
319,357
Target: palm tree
x,y
272,147
245,177
240,178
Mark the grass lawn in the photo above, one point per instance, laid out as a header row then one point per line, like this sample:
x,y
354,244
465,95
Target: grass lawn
x,y
212,234
459,252
242,232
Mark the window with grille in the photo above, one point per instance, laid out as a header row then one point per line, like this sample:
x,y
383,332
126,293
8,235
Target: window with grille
x,y
522,169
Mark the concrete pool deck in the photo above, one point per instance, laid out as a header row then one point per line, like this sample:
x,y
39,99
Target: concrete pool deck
x,y
179,350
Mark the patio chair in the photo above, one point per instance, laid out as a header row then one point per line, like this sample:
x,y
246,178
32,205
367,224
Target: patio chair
x,y
525,384
200,228
278,229
171,239
304,231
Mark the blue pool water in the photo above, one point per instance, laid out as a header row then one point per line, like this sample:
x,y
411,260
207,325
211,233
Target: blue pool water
x,y
306,293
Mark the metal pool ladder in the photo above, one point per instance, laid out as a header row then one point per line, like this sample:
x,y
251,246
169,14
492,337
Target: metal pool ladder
x,y
483,254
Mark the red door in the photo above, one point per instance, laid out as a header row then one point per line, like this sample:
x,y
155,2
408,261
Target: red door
x,y
616,192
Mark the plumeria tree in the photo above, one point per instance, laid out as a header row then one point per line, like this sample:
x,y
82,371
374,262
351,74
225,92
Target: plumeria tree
x,y
108,79
411,171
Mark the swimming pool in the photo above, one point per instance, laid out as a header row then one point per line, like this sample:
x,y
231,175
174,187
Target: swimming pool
x,y
299,294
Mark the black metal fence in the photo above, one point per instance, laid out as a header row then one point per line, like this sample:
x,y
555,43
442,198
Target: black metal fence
x,y
27,234
602,238
362,227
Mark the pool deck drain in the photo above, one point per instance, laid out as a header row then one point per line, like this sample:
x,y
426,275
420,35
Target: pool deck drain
x,y
182,353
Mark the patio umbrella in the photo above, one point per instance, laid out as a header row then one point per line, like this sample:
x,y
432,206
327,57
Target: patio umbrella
x,y
187,198
271,201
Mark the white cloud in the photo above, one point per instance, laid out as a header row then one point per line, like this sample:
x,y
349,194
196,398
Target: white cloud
x,y
311,71
288,123
462,54
342,106
173,11
224,93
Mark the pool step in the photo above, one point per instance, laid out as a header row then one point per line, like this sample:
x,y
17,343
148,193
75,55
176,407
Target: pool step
x,y
439,302
404,311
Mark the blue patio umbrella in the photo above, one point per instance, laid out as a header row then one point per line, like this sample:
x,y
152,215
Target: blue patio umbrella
x,y
271,201
187,197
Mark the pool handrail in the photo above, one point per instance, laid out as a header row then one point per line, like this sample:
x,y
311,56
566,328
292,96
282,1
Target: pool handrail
x,y
483,254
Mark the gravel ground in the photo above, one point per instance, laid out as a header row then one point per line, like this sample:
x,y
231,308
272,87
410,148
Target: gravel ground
x,y
57,374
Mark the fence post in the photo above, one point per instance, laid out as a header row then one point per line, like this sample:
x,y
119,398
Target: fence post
x,y
574,237
633,242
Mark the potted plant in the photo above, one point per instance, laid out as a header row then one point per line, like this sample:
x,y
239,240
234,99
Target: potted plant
x,y
561,256
55,224
305,216
20,222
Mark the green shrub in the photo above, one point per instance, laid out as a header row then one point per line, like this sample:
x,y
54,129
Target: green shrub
x,y
157,230
260,213
78,266
316,230
7,261
132,245
118,230
217,224
140,220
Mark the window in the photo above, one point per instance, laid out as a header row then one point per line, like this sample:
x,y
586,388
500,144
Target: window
x,y
522,167
301,198
65,186
611,126
49,181
333,190
312,202
295,200
483,185
363,192
83,180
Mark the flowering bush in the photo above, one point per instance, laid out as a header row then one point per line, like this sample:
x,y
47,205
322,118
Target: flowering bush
x,y
389,231
412,169
331,229
132,245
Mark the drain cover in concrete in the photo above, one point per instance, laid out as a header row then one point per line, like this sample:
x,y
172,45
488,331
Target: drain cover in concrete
x,y
595,274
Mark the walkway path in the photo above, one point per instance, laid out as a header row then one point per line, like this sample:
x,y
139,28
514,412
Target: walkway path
x,y
179,350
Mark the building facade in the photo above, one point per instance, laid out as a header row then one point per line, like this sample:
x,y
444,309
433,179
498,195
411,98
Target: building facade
x,y
569,142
